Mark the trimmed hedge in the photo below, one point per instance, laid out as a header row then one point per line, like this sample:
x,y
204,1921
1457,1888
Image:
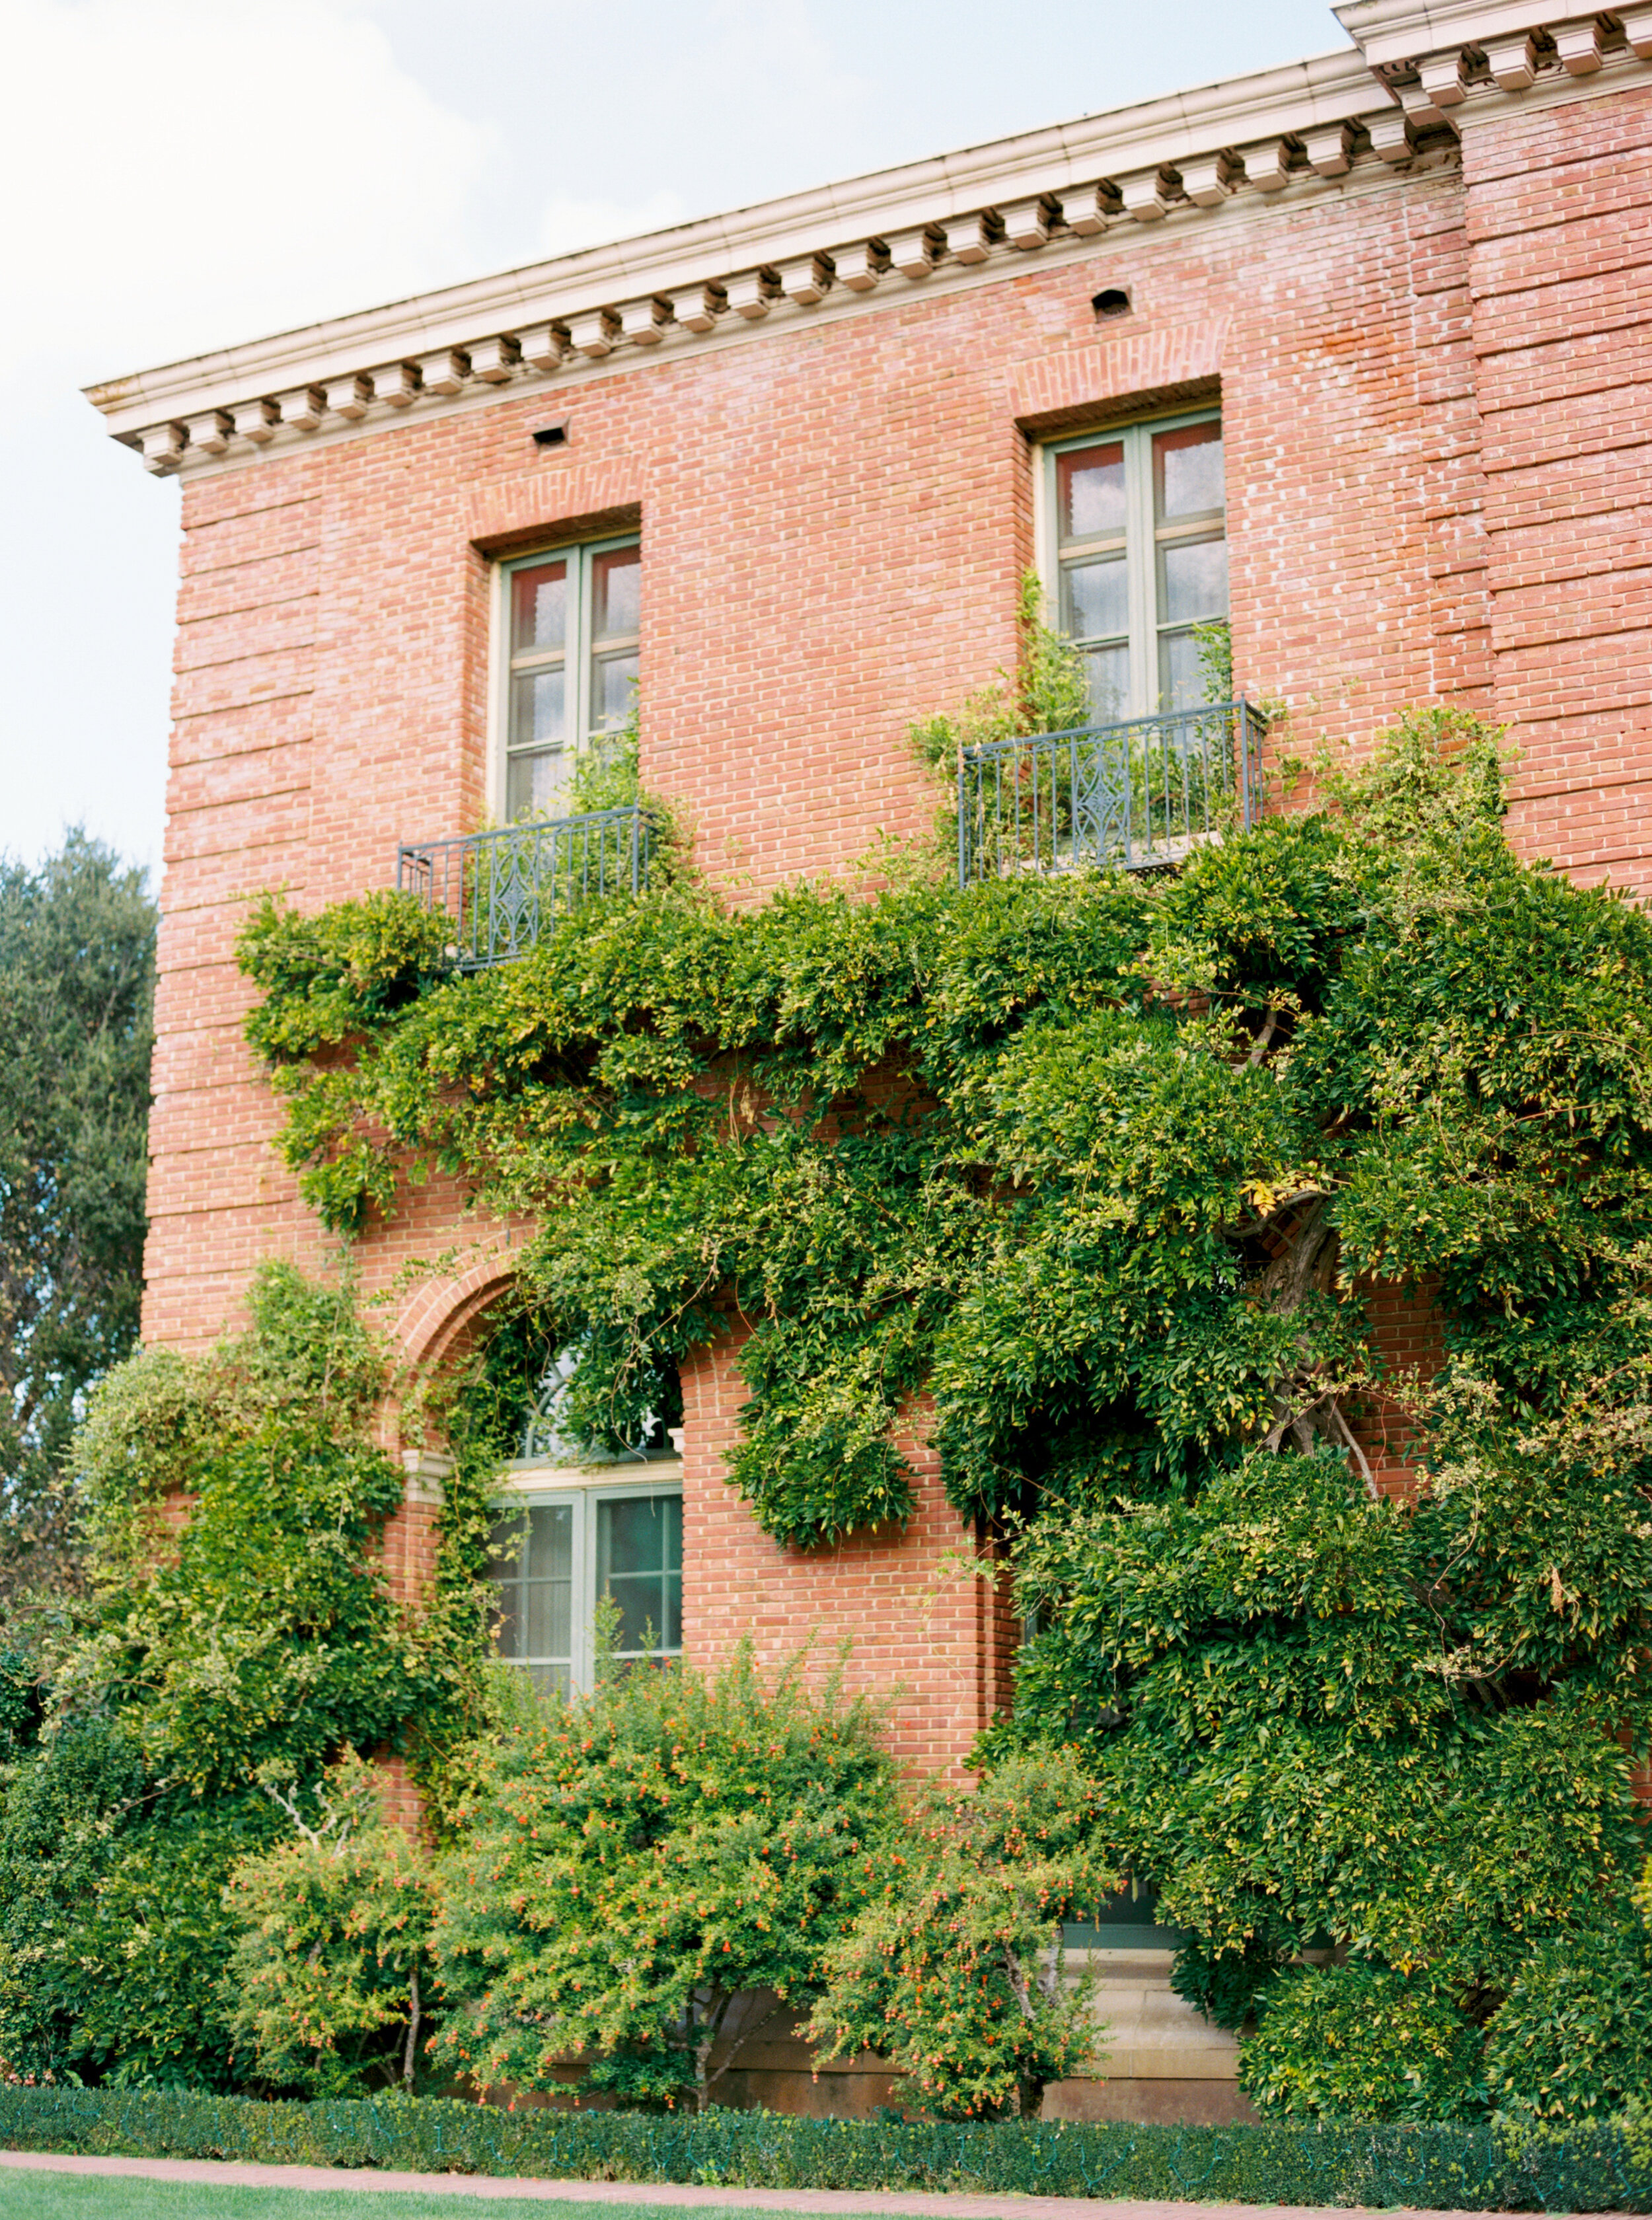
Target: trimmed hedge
x,y
1460,2168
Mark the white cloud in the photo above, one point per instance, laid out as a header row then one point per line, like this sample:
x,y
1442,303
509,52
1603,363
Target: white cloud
x,y
181,174
569,224
178,175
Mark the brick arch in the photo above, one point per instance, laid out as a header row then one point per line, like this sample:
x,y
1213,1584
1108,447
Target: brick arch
x,y
438,1317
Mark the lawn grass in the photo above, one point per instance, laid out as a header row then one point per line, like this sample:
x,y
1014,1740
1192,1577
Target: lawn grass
x,y
27,2194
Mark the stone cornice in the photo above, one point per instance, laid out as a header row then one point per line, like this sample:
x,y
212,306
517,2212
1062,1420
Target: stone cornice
x,y
977,212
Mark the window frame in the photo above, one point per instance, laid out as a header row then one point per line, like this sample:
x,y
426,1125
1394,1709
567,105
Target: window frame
x,y
581,556
525,1484
1136,435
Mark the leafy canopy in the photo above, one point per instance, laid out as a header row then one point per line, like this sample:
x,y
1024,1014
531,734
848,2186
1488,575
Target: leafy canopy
x,y
77,991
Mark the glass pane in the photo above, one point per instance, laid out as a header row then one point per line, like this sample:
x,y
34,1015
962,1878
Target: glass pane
x,y
537,703
1090,491
549,1618
1183,682
1096,597
549,1679
638,1563
1109,669
505,1543
1187,472
535,784
550,1545
631,1535
1195,581
613,682
539,608
616,594
507,1626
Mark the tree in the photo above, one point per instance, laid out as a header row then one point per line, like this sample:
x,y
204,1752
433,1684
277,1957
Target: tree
x,y
77,988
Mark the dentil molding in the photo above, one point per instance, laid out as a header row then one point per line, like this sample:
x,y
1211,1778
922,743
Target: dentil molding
x,y
1419,72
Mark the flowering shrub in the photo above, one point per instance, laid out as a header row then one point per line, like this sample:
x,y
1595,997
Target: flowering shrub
x,y
953,1969
633,1865
324,1985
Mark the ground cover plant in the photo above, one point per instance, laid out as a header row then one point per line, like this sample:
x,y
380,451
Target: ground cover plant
x,y
1109,1170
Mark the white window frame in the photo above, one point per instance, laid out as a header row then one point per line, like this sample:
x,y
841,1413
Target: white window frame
x,y
579,554
1137,437
524,1483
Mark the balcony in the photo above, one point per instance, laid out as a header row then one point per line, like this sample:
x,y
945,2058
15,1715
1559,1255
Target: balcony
x,y
503,889
1138,795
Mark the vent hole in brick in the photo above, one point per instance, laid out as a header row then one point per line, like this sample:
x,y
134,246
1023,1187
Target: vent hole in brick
x,y
553,434
1115,302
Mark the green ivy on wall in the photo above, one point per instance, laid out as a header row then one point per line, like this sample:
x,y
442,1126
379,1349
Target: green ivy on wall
x,y
1106,1169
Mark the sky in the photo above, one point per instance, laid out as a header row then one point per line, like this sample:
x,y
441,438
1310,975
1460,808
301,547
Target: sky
x,y
183,174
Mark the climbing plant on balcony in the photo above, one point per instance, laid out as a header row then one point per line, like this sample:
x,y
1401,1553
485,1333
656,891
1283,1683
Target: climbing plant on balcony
x,y
1108,1170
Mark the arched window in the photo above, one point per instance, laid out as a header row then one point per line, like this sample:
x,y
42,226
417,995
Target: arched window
x,y
574,1527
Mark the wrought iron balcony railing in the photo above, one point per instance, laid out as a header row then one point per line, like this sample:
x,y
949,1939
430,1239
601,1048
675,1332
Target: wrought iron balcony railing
x,y
1138,795
503,889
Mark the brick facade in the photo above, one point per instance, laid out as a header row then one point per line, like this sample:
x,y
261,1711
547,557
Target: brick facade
x,y
1438,440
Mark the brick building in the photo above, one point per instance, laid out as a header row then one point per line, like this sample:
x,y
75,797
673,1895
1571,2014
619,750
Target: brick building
x,y
1371,328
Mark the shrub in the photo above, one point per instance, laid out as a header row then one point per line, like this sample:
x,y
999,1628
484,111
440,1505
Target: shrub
x,y
953,1969
1573,2040
635,1861
257,1633
1359,2042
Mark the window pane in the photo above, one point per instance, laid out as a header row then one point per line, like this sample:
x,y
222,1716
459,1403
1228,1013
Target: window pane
x,y
535,784
549,1679
506,1540
1195,581
551,1541
537,699
1109,669
616,594
1090,491
1097,599
507,1626
1182,684
638,1563
613,682
549,1618
539,608
1187,472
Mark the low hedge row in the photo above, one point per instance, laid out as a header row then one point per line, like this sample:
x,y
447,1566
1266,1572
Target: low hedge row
x,y
1483,2168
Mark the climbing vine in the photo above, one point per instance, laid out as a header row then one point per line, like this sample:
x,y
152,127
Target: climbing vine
x,y
1110,1170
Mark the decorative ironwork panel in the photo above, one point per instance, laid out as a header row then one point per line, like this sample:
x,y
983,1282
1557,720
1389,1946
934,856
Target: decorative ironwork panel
x,y
503,889
1135,795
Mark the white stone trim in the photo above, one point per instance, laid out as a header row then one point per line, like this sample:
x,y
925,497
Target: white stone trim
x,y
1438,65
426,1472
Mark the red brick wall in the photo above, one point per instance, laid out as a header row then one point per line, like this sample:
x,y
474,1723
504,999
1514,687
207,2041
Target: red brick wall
x,y
1559,213
920,1624
1438,472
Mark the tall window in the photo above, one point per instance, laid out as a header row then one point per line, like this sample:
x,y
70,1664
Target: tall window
x,y
572,620
555,1556
576,1533
1138,550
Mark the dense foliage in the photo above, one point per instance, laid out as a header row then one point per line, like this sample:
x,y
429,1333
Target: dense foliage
x,y
637,1872
253,1633
1110,1169
77,988
953,1969
326,1985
